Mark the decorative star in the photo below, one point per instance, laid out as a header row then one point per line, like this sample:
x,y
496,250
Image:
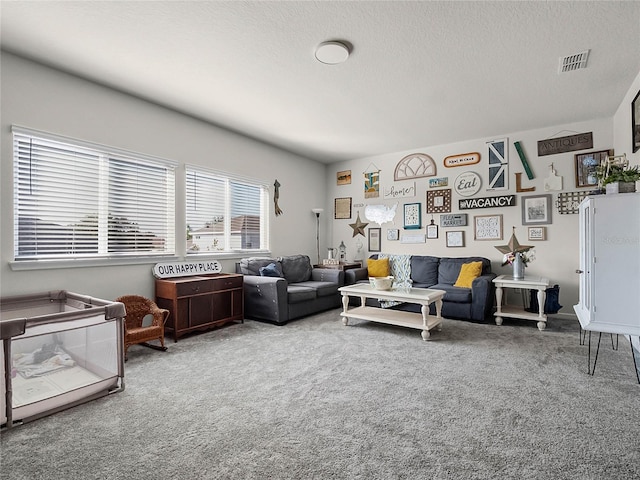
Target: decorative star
x,y
358,227
513,246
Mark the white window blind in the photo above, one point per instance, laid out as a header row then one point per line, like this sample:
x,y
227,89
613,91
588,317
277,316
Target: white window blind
x,y
73,199
225,214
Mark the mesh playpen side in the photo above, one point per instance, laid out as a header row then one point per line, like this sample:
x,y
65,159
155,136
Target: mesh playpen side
x,y
59,349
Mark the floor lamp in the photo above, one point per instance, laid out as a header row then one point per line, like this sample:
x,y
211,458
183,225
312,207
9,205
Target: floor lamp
x,y
317,211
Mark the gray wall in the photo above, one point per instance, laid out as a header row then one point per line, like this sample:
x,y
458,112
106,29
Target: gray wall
x,y
45,99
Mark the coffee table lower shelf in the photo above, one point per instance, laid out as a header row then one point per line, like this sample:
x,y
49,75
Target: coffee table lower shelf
x,y
394,317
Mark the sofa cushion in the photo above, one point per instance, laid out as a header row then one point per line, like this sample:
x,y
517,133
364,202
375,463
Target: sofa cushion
x,y
323,289
272,270
297,294
468,273
378,267
453,294
424,269
449,268
296,268
252,265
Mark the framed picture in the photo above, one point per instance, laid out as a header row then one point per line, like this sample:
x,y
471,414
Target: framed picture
x,y
393,234
412,216
487,227
374,239
587,165
635,122
536,210
343,177
432,230
342,208
455,238
439,201
537,233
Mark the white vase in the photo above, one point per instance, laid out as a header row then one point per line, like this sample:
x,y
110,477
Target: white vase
x,y
518,267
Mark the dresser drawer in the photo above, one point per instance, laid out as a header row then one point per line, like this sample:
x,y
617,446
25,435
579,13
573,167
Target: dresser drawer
x,y
226,283
194,287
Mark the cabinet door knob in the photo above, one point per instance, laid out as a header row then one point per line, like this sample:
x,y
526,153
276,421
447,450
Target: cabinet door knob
x,y
579,271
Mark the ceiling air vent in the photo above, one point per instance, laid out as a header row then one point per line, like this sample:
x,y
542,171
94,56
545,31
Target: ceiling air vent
x,y
573,62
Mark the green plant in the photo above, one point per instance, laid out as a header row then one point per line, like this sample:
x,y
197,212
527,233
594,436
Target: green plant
x,y
617,174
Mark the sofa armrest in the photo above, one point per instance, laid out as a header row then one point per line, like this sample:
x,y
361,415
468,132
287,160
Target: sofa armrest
x,y
354,275
482,296
328,275
265,298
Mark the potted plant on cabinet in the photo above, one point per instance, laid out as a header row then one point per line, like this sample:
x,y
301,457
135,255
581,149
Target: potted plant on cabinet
x,y
617,177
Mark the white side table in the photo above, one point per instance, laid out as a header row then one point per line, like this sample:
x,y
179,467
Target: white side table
x,y
512,311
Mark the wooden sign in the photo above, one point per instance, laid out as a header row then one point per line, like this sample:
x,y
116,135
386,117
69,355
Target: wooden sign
x,y
185,269
462,160
571,143
453,220
487,202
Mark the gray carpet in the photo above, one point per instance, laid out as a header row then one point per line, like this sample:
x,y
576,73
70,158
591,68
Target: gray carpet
x,y
317,400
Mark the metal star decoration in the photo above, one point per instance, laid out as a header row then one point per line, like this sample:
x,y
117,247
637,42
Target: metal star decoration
x,y
513,246
358,227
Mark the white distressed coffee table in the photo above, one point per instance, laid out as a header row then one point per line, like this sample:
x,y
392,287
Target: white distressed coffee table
x,y
422,296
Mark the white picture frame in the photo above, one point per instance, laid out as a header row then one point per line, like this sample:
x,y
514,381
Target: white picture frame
x,y
455,238
536,233
487,227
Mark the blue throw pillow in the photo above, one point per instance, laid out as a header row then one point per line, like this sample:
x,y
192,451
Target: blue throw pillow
x,y
271,270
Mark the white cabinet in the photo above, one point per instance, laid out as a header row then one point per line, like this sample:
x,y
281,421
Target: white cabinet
x,y
610,264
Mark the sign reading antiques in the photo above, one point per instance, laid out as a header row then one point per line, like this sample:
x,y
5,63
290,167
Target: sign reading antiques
x,y
185,269
487,202
571,143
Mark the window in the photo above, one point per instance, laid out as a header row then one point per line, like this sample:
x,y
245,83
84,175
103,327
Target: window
x,y
225,214
75,200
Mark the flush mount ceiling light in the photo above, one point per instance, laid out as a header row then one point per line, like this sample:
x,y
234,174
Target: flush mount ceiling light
x,y
332,53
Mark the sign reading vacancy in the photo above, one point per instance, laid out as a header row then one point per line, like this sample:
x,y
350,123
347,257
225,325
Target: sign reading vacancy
x,y
185,269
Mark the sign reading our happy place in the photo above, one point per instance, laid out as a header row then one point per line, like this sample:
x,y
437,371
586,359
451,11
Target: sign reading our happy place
x,y
185,269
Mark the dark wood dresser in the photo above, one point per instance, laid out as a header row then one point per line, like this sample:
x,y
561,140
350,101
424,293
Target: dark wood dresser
x,y
200,302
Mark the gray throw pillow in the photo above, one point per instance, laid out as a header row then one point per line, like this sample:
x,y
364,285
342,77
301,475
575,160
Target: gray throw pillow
x,y
296,268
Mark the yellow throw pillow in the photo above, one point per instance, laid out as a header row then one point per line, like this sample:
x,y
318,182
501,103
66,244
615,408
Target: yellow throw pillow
x,y
378,268
468,272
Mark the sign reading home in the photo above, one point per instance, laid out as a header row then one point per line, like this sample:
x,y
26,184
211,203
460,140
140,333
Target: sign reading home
x,y
398,191
487,202
185,269
551,146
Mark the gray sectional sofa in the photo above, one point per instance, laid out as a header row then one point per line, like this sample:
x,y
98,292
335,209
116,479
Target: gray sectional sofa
x,y
475,303
280,289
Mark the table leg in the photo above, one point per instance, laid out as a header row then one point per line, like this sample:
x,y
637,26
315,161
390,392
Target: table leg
x,y
542,321
425,315
345,307
499,305
439,314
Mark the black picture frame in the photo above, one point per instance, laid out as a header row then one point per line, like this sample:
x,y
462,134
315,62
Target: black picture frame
x,y
635,123
375,240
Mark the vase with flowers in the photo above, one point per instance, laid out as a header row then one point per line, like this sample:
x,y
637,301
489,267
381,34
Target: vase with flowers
x,y
516,255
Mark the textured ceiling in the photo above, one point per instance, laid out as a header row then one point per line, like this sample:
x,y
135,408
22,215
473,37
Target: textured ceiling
x,y
420,73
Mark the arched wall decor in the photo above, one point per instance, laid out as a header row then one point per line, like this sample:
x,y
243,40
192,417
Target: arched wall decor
x,y
415,165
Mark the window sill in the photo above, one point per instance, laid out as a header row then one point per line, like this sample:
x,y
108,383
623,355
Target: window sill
x,y
88,262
